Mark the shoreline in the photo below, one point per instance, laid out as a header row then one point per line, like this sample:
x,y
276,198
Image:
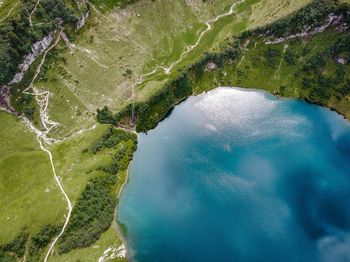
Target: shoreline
x,y
278,96
117,225
294,109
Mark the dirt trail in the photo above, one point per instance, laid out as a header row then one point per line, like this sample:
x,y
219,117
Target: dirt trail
x,y
281,61
9,12
209,25
167,70
42,98
32,12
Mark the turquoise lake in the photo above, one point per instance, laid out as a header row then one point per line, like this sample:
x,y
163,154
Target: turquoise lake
x,y
238,175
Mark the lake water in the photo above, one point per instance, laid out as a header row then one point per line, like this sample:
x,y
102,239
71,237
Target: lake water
x,y
237,175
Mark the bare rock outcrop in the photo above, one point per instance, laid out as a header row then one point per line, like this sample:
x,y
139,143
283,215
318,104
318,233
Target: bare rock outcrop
x,y
37,49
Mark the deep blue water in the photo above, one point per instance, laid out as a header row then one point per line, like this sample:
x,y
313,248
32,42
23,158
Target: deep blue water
x,y
236,175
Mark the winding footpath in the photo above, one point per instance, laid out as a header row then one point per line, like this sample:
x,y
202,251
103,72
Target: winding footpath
x,y
32,12
42,99
9,12
209,25
167,70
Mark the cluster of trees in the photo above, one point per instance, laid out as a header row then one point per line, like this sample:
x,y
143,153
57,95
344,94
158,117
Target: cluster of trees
x,y
320,76
290,57
110,139
26,102
105,116
271,56
314,63
92,214
14,249
314,14
321,86
341,47
127,143
39,241
227,55
94,210
150,112
17,36
122,158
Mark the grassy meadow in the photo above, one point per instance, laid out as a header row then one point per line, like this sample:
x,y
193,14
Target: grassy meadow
x,y
29,196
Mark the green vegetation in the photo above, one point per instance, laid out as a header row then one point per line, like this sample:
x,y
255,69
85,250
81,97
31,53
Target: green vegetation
x,y
107,240
111,51
150,112
110,139
39,241
14,249
305,69
308,69
108,5
29,186
26,182
31,245
92,215
17,36
94,210
145,34
314,14
311,15
25,103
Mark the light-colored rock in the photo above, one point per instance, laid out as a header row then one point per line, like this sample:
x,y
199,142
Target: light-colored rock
x,y
37,49
82,20
211,66
342,61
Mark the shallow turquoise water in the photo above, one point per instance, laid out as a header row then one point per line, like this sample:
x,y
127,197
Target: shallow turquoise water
x,y
235,175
